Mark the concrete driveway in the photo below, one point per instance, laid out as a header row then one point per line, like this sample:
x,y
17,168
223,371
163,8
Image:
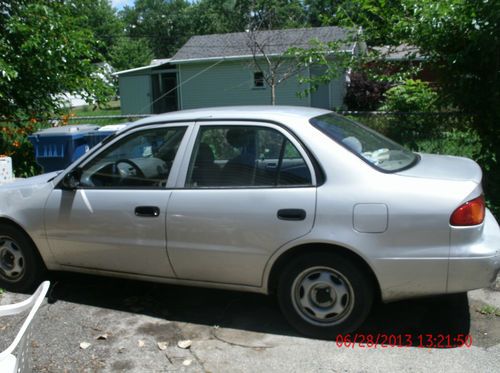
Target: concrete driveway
x,y
136,326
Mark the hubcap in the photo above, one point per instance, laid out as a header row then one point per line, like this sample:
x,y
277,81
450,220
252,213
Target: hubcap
x,y
11,259
322,296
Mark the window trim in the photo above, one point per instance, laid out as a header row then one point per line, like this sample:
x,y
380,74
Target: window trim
x,y
182,176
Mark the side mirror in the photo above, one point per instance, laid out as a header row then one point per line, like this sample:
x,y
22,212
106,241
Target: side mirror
x,y
71,180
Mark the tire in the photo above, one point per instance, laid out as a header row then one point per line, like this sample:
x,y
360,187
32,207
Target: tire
x,y
21,268
324,294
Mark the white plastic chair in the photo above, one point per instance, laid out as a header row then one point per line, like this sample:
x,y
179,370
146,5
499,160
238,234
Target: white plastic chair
x,y
22,361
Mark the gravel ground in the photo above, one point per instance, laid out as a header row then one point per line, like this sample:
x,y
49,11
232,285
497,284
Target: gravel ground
x,y
136,326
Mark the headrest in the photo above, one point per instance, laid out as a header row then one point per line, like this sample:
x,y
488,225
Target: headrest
x,y
237,137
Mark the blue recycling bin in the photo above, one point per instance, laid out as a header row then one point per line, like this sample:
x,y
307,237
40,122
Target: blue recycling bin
x,y
95,136
58,147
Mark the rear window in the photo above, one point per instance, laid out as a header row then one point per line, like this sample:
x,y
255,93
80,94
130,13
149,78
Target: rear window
x,y
377,150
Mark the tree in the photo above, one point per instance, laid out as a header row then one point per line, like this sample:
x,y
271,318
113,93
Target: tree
x,y
218,16
99,17
461,41
275,14
128,53
276,68
166,24
44,53
375,17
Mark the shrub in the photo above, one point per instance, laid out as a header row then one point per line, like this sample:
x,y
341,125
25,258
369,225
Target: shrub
x,y
364,93
413,97
15,144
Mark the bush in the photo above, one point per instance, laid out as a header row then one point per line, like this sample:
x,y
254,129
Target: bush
x,y
413,97
15,144
364,93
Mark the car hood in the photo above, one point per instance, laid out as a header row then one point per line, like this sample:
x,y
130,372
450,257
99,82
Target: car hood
x,y
445,167
30,181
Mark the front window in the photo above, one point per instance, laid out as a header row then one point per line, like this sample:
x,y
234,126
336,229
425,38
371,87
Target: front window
x,y
371,146
141,160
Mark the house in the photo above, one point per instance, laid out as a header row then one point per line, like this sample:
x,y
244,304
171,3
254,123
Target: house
x,y
220,70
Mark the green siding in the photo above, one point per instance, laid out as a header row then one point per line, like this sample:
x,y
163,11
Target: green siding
x,y
337,92
135,94
231,83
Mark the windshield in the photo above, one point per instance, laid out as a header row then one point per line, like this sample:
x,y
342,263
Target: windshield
x,y
371,146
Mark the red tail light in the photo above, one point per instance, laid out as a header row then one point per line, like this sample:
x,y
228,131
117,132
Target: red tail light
x,y
470,213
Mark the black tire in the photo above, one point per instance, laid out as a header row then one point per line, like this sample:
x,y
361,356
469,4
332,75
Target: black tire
x,y
21,268
305,297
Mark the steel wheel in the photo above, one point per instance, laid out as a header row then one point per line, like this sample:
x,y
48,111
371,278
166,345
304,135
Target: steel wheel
x,y
21,267
11,259
322,296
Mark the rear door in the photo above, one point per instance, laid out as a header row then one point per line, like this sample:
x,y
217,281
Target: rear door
x,y
244,191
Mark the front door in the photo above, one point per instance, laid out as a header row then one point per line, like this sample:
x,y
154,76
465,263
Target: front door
x,y
248,190
115,219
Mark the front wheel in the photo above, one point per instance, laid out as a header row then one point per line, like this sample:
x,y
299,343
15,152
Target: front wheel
x,y
324,294
21,268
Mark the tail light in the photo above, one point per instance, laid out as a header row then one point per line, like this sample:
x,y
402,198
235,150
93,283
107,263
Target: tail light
x,y
470,213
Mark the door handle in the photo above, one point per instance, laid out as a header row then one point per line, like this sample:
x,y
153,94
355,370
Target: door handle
x,y
147,211
291,214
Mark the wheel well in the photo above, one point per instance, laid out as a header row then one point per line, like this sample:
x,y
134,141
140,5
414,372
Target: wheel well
x,y
286,257
17,226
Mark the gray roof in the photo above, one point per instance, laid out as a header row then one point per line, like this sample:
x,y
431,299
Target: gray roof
x,y
402,52
275,42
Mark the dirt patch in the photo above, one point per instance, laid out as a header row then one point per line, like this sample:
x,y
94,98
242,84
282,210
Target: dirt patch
x,y
485,328
167,332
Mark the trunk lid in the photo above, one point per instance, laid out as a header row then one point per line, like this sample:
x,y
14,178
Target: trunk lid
x,y
445,167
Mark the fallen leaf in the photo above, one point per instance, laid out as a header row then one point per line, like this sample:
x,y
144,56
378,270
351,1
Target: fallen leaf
x,y
187,362
162,345
141,343
84,345
102,337
184,344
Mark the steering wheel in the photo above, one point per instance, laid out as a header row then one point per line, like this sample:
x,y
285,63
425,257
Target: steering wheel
x,y
138,172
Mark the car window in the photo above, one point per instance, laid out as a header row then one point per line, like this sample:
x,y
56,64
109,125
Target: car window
x,y
379,151
245,156
142,159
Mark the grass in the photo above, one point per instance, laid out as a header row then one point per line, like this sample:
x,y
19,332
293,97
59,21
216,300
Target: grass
x,y
112,108
489,310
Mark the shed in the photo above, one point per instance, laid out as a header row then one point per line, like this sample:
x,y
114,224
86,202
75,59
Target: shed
x,y
219,70
150,89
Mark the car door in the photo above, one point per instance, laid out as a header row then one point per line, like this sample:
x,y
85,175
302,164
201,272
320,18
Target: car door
x,y
244,191
115,219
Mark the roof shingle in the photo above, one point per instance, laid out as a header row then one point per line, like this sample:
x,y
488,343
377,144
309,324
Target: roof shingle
x,y
275,42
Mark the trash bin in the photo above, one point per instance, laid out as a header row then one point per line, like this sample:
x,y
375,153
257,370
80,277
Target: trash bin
x,y
58,147
95,136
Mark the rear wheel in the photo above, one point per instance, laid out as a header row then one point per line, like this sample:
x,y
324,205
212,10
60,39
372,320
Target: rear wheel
x,y
21,268
324,294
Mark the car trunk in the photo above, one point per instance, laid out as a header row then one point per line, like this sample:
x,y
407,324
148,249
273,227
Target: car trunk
x,y
445,167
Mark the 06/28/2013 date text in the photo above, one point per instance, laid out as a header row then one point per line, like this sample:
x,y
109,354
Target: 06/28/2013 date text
x,y
380,340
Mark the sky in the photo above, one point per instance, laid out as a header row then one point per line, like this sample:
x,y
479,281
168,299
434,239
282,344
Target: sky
x,y
119,4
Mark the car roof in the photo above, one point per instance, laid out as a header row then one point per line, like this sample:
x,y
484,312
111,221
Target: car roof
x,y
264,113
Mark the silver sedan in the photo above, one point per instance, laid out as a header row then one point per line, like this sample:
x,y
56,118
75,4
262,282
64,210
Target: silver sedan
x,y
298,202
